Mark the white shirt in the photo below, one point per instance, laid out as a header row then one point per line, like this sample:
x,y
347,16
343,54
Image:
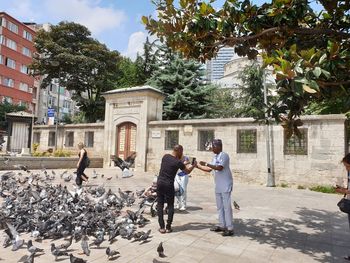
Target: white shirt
x,y
223,179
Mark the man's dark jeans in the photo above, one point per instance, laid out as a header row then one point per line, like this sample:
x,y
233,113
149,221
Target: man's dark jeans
x,y
165,194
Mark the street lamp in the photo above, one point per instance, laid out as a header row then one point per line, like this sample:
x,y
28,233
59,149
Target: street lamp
x,y
55,63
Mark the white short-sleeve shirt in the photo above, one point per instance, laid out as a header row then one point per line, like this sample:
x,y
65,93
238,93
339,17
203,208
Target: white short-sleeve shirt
x,y
223,179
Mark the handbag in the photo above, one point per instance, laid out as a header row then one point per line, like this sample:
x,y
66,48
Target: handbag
x,y
344,205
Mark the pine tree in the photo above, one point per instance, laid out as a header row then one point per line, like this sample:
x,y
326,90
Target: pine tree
x,y
181,80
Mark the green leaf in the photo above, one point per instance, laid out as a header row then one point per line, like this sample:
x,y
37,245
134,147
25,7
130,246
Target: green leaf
x,y
203,9
144,20
317,72
326,73
322,58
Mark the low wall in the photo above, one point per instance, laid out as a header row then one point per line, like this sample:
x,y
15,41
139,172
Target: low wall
x,y
47,162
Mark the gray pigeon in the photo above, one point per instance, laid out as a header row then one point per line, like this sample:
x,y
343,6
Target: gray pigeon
x,y
32,249
67,244
56,252
85,245
160,250
27,259
74,259
111,253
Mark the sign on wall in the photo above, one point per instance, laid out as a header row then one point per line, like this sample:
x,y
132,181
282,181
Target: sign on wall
x,y
156,134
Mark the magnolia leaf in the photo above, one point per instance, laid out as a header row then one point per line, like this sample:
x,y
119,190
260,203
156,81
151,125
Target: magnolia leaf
x,y
322,58
317,72
308,89
144,20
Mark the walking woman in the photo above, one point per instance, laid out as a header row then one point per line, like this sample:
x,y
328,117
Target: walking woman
x,y
342,190
81,165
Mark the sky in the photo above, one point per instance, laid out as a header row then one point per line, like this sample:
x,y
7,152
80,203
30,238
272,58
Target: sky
x,y
116,23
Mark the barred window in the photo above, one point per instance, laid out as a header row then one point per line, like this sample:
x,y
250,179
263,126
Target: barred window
x,y
246,141
295,145
69,139
171,139
89,139
204,140
51,141
36,137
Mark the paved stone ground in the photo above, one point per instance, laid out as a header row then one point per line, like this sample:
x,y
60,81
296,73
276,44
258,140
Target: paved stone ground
x,y
273,225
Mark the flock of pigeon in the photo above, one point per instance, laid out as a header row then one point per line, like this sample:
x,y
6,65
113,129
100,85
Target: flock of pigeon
x,y
91,216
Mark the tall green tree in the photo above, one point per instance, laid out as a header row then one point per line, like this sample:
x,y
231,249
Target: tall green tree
x,y
181,80
147,63
68,53
309,50
127,76
251,98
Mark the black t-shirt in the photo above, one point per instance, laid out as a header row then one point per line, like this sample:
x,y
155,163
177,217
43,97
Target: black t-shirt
x,y
168,168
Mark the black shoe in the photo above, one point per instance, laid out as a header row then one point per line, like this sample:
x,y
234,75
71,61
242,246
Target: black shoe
x,y
228,233
347,258
217,229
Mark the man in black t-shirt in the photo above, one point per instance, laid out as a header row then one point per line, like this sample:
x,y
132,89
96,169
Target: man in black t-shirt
x,y
171,163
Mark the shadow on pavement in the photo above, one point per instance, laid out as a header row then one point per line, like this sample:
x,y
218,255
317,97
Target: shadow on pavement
x,y
311,234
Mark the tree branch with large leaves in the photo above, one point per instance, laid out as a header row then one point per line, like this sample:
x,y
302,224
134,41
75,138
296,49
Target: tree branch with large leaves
x,y
309,50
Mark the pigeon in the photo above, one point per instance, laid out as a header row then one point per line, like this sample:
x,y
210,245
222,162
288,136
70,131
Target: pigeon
x,y
74,259
32,249
144,236
94,174
160,250
111,253
27,259
109,178
85,245
56,252
21,167
67,244
98,241
7,160
236,205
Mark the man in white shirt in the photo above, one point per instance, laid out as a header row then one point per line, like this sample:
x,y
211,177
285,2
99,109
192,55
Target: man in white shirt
x,y
220,167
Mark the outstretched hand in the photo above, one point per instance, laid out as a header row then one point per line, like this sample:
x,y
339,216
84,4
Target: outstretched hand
x,y
202,163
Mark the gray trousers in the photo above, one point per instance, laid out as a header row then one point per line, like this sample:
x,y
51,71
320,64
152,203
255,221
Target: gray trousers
x,y
224,207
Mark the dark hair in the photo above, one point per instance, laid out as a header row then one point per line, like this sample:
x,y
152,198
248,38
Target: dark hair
x,y
346,158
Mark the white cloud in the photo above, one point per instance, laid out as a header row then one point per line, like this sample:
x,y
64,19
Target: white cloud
x,y
23,10
85,12
135,45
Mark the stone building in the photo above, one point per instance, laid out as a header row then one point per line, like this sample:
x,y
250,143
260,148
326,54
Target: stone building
x,y
133,124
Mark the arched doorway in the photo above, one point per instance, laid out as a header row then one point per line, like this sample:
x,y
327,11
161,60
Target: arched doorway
x,y
126,139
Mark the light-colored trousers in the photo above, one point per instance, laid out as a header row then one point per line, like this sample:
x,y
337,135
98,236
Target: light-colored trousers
x,y
181,199
224,207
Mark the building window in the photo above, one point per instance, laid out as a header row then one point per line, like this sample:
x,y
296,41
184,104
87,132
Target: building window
x,y
2,21
24,69
246,141
8,82
23,87
10,63
22,103
36,137
26,52
296,145
204,140
1,59
51,139
27,35
89,139
12,27
69,139
11,44
6,99
171,139
2,40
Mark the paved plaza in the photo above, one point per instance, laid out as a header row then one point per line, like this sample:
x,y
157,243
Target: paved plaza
x,y
273,225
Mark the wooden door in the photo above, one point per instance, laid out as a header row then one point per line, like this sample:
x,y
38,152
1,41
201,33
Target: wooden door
x,y
126,139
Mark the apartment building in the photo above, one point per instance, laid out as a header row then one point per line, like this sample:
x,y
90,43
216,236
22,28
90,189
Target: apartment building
x,y
16,52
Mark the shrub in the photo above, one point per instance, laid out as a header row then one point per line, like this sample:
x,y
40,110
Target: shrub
x,y
35,147
301,187
284,185
62,153
323,189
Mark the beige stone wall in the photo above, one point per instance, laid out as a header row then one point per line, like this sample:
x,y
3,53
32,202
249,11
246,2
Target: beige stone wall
x,y
79,136
326,147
